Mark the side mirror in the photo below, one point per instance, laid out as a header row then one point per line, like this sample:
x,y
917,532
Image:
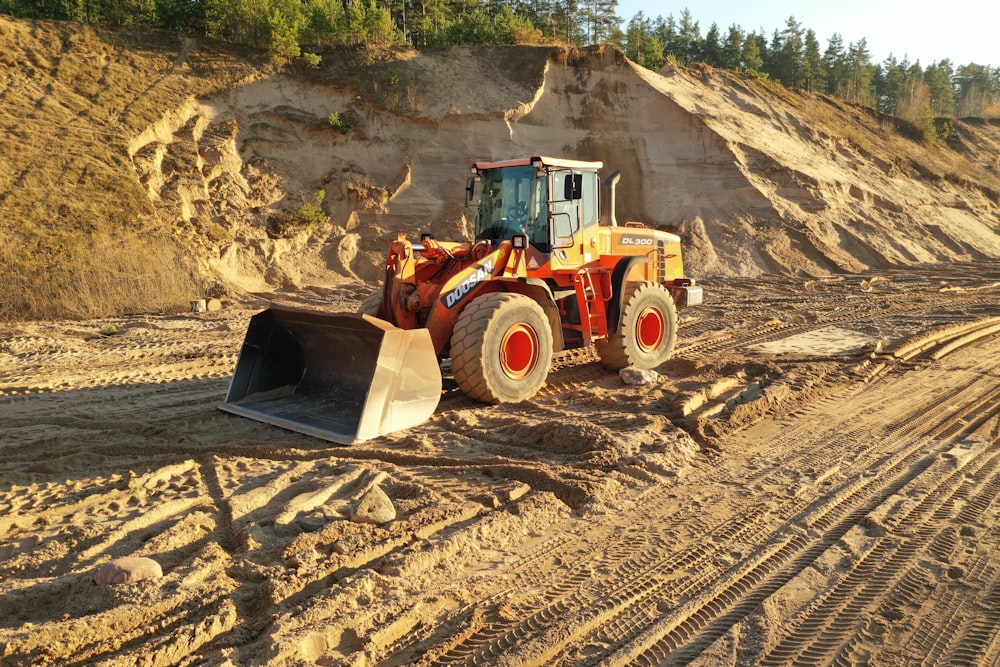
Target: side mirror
x,y
470,190
573,187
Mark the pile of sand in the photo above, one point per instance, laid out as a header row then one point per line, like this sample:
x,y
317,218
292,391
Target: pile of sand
x,y
754,178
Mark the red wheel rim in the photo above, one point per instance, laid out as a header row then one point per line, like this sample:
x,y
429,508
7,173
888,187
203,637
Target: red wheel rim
x,y
519,351
650,329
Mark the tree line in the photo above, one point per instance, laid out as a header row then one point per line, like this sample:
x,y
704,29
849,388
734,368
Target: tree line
x,y
792,55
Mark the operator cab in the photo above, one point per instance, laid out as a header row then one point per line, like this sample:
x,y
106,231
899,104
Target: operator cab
x,y
547,200
514,201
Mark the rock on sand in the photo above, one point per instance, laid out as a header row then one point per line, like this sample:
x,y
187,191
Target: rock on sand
x,y
128,571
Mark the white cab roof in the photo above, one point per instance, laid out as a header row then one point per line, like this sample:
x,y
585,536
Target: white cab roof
x,y
547,161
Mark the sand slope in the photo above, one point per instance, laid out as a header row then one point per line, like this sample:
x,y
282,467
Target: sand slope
x,y
754,179
812,479
220,149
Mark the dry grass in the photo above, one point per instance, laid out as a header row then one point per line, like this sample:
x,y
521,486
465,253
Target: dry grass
x,y
97,278
79,234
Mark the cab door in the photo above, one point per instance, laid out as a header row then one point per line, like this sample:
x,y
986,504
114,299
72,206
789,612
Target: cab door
x,y
574,208
564,207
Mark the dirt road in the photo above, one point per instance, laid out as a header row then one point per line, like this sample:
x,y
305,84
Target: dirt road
x,y
812,480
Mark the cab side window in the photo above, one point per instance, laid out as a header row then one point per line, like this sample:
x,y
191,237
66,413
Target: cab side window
x,y
565,210
590,212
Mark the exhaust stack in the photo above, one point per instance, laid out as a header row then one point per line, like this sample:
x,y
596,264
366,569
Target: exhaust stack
x,y
610,184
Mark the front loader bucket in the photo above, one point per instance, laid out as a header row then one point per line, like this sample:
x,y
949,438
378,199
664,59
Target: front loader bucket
x,y
337,376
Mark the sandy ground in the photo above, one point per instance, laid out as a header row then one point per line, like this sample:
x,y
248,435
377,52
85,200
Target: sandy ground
x,y
812,479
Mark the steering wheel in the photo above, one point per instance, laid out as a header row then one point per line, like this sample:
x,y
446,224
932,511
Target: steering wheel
x,y
518,211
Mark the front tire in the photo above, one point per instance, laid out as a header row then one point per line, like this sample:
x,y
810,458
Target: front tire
x,y
648,330
501,348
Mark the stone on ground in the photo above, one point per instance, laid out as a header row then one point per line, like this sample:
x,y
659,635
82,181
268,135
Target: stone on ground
x,y
375,507
128,571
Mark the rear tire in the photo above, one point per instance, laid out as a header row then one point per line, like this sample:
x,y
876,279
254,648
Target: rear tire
x,y
648,330
501,348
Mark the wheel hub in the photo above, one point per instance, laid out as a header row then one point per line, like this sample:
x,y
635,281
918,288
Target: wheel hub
x,y
650,329
519,351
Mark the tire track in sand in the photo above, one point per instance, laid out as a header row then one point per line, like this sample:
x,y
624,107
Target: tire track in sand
x,y
617,611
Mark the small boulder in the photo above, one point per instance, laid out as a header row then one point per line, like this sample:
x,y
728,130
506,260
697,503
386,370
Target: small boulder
x,y
638,376
128,571
375,507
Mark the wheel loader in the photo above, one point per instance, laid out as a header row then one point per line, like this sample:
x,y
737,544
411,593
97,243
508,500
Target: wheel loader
x,y
549,269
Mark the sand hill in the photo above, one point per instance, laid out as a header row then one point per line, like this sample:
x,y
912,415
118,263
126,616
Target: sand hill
x,y
120,130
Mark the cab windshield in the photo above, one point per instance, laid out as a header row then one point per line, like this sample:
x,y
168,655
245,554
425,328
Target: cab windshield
x,y
514,201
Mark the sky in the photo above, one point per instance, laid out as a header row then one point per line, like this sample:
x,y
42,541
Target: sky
x,y
964,31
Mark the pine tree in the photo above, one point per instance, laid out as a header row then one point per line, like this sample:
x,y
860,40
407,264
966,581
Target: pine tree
x,y
711,47
322,23
815,73
888,82
978,87
835,65
283,41
688,38
600,19
666,31
732,48
238,21
642,45
860,74
378,25
788,55
753,56
537,12
939,81
566,25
